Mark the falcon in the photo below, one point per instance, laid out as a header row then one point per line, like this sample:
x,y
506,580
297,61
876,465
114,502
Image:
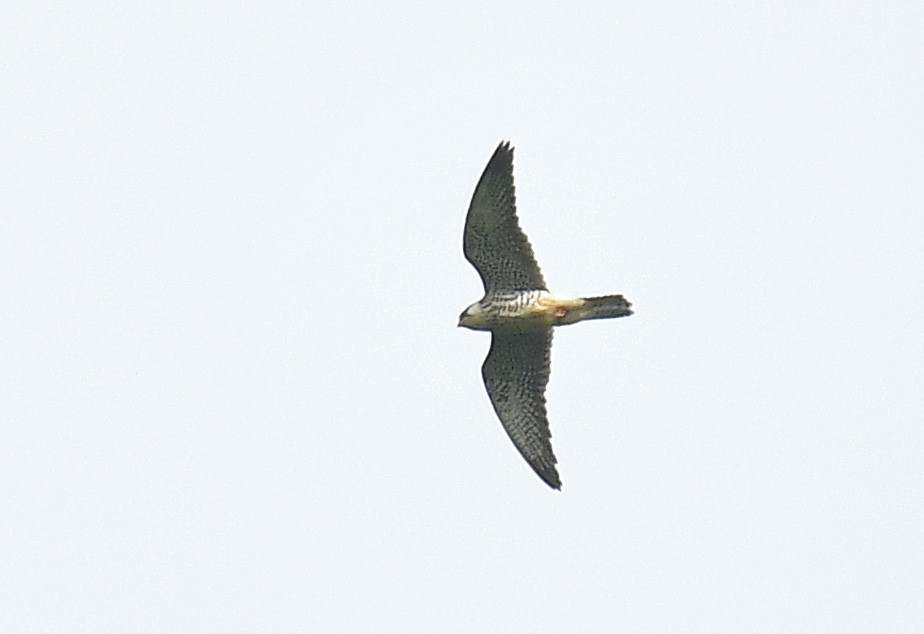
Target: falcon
x,y
520,313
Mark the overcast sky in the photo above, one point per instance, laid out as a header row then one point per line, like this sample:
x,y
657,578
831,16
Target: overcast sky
x,y
234,396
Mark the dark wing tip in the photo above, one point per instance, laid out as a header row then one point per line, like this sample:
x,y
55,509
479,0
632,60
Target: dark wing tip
x,y
501,161
544,467
550,477
503,148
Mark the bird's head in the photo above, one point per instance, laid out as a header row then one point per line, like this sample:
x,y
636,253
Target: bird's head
x,y
474,317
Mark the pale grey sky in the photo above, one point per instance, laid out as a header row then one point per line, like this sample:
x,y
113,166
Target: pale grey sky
x,y
234,397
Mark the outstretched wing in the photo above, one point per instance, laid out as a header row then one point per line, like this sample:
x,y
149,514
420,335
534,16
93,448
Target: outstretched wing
x,y
516,372
494,242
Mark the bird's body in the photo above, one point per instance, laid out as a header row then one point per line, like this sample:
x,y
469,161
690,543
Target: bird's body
x,y
520,313
537,309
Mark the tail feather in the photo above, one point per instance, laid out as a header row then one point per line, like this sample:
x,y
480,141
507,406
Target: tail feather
x,y
606,307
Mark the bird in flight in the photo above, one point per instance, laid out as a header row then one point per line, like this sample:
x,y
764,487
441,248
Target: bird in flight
x,y
520,313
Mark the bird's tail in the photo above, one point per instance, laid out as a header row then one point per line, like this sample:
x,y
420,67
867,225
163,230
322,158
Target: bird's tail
x,y
606,307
